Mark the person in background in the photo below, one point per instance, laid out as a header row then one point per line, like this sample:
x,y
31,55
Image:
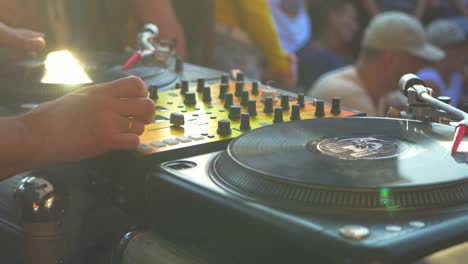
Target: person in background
x,y
394,44
292,23
86,25
446,76
335,25
246,39
413,7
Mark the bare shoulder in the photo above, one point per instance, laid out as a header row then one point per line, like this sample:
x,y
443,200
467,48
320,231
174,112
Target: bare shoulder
x,y
340,82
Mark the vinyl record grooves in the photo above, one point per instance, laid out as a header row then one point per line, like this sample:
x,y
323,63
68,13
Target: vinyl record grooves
x,y
346,164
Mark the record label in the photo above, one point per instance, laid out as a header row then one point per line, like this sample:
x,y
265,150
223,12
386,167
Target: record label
x,y
362,148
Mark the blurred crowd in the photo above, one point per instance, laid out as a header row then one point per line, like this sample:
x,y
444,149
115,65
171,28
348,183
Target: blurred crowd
x,y
353,49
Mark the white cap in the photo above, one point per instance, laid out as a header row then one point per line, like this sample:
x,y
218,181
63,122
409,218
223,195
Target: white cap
x,y
398,31
444,32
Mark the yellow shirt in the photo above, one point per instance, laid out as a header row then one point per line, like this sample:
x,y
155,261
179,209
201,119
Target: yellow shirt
x,y
254,18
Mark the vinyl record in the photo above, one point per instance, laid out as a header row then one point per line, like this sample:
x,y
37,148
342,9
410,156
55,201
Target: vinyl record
x,y
347,162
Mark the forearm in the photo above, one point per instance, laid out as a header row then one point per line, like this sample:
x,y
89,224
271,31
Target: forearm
x,y
259,25
421,7
17,148
460,5
371,7
161,13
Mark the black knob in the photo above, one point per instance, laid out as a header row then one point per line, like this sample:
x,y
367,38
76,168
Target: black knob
x,y
177,119
239,88
225,78
185,87
224,127
245,121
200,85
445,99
228,100
254,88
278,118
177,85
252,108
336,105
295,112
300,100
240,77
285,102
207,94
223,88
190,98
179,65
245,98
319,108
153,92
234,112
268,109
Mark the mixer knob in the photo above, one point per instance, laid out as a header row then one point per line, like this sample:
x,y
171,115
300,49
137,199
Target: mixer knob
x,y
224,127
179,65
254,88
245,98
285,101
190,98
153,92
252,108
200,85
239,88
177,86
234,112
336,105
224,79
295,112
223,88
207,94
278,118
268,109
245,122
240,77
184,87
228,100
300,100
319,108
177,119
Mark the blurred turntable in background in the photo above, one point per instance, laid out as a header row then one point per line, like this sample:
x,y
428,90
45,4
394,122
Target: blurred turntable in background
x,y
446,76
394,44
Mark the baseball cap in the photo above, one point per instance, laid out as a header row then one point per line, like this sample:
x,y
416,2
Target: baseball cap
x,y
398,31
444,32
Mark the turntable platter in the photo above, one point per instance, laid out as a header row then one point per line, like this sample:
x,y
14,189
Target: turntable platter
x,y
365,163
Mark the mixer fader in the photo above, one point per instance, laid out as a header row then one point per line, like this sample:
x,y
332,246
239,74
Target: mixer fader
x,y
212,113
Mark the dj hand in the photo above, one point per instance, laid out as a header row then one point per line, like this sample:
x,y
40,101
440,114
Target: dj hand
x,y
89,122
21,39
286,79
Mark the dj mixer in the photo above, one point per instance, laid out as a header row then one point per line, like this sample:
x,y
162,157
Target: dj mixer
x,y
206,115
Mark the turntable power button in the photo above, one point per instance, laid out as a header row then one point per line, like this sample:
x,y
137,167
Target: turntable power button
x,y
354,232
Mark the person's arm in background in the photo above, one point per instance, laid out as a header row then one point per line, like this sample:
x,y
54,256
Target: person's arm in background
x,y
23,40
421,7
258,22
161,13
371,7
82,124
461,6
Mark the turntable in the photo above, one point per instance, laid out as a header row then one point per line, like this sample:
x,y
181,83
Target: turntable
x,y
374,190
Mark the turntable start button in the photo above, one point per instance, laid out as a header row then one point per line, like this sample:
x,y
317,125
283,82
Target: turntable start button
x,y
354,232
